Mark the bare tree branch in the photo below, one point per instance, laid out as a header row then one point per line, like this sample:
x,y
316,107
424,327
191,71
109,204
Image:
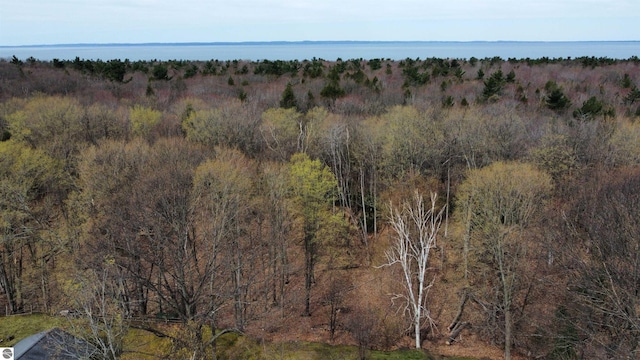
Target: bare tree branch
x,y
416,229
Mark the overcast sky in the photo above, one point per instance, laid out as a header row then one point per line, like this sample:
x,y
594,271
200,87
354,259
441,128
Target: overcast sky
x,y
30,22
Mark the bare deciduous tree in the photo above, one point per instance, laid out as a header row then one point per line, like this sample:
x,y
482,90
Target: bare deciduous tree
x,y
416,228
276,212
498,204
334,297
102,322
363,324
604,262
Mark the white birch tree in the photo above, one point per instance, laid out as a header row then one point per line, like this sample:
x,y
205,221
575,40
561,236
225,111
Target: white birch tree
x,y
416,228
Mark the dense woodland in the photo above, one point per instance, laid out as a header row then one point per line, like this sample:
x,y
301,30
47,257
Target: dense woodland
x,y
193,199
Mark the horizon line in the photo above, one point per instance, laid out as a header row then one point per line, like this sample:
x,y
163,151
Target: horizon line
x,y
284,42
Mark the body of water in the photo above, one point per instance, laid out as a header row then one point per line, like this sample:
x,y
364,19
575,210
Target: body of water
x,y
326,50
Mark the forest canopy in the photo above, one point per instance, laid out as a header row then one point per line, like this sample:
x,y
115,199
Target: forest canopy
x,y
258,198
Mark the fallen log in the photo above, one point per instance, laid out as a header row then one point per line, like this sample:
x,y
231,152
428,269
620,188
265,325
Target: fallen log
x,y
463,300
456,331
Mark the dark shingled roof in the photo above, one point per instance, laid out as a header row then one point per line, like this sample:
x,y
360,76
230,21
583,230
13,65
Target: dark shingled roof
x,y
53,344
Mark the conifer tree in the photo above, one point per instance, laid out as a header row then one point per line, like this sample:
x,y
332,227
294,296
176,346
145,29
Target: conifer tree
x,y
288,100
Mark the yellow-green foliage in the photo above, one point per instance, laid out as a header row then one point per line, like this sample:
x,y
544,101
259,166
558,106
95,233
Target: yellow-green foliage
x,y
141,345
505,193
219,126
285,123
202,126
625,143
222,193
236,347
138,344
412,139
54,124
313,187
44,118
23,326
225,178
143,119
496,201
229,346
25,174
320,351
555,156
317,123
282,130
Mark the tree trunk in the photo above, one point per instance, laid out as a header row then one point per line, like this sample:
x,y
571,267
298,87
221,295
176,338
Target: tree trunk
x,y
456,331
467,241
365,233
416,324
237,280
8,281
44,282
507,333
308,274
274,273
8,289
333,318
463,300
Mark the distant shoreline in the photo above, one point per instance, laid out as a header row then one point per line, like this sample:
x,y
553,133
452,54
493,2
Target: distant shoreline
x,y
312,42
331,50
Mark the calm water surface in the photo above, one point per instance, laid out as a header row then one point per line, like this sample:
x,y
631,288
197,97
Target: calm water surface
x,y
327,50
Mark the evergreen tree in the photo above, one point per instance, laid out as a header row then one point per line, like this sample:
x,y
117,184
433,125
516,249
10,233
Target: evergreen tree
x,y
160,72
592,108
332,91
633,96
557,100
493,85
288,100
